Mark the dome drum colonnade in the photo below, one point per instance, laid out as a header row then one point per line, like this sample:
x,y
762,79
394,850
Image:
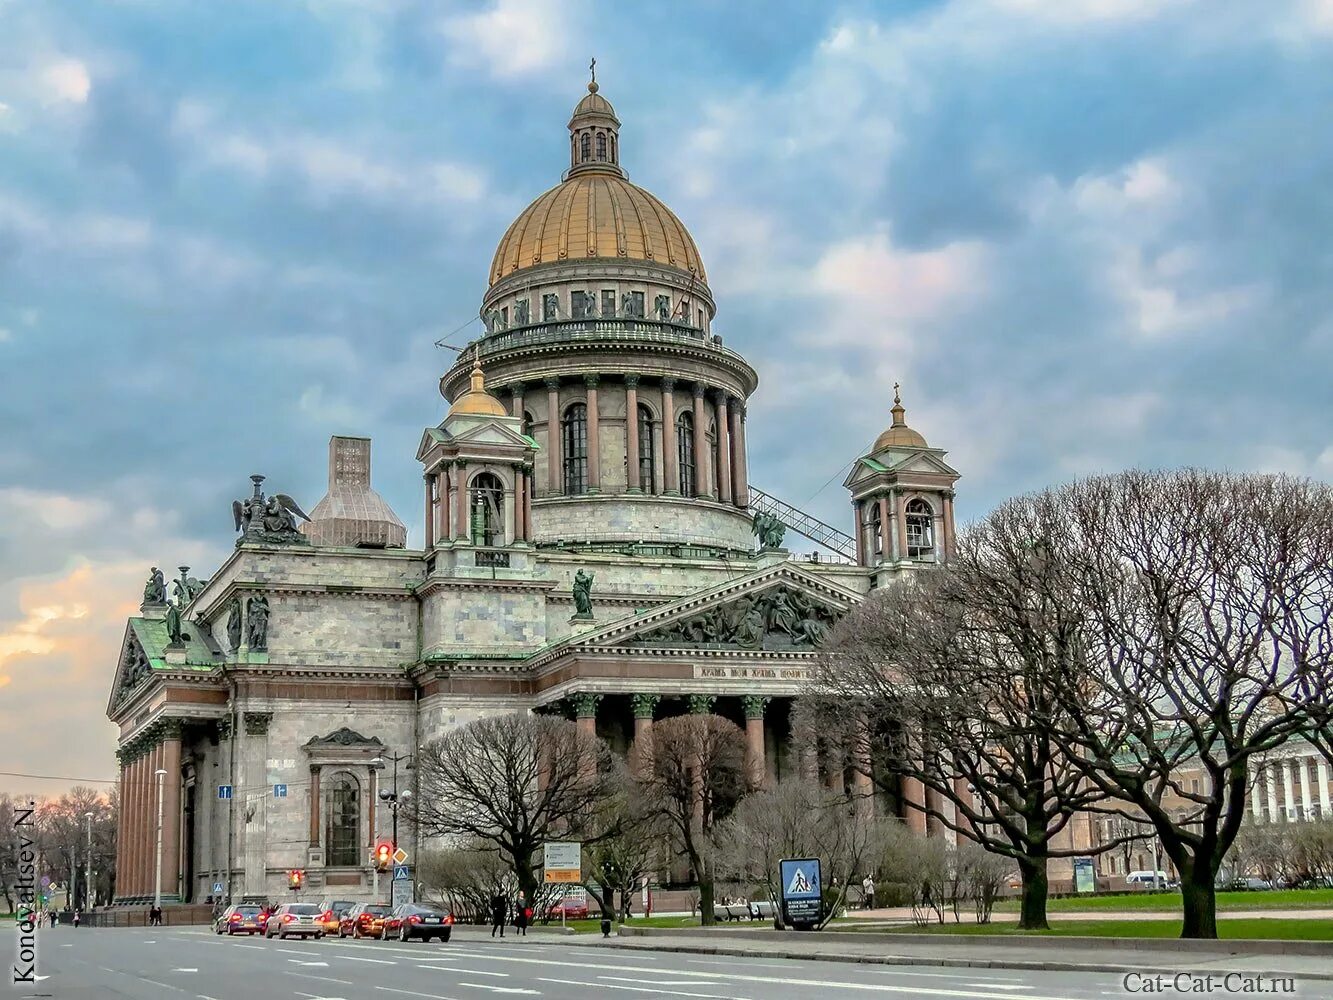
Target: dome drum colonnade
x,y
598,320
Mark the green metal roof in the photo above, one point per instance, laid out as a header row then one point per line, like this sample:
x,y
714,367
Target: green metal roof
x,y
201,652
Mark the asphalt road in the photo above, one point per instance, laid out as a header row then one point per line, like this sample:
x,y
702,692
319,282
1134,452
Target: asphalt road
x,y
190,963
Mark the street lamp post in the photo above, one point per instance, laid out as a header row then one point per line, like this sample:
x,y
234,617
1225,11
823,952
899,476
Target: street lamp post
x,y
88,899
392,797
157,868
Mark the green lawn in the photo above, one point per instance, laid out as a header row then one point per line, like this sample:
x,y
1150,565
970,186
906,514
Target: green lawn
x,y
1253,927
1276,899
594,925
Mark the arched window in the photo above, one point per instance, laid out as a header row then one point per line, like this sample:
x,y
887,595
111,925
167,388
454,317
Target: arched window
x,y
920,529
601,145
342,823
876,530
574,433
685,452
487,506
585,148
646,454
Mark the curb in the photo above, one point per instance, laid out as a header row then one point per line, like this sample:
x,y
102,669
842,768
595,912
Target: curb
x,y
1026,965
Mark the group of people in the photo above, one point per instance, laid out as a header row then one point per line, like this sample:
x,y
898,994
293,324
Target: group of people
x,y
500,914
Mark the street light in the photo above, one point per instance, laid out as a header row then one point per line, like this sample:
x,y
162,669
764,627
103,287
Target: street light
x,y
157,869
88,870
394,798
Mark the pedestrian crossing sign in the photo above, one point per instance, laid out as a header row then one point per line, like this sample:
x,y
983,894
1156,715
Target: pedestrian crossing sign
x,y
400,872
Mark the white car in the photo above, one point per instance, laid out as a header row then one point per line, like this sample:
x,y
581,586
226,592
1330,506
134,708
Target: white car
x,y
300,919
1158,879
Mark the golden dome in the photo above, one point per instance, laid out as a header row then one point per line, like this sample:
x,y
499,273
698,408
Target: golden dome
x,y
594,104
596,215
477,401
899,435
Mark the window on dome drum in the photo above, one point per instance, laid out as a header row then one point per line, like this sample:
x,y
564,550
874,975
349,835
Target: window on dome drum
x,y
342,823
581,304
487,495
521,314
920,529
504,316
647,457
585,148
601,145
574,436
608,303
685,452
631,305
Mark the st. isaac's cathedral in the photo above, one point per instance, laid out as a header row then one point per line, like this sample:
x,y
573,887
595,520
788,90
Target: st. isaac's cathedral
x,y
591,545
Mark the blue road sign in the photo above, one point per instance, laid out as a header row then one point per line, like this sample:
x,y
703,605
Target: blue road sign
x,y
224,791
801,889
217,887
279,791
400,872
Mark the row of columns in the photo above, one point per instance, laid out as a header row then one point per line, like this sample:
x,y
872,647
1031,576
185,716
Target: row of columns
x,y
447,514
732,485
158,749
891,506
1289,773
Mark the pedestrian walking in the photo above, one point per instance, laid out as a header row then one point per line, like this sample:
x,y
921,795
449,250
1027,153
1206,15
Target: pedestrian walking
x,y
498,908
76,919
522,914
868,888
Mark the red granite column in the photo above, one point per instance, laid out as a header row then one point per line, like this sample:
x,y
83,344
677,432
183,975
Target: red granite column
x,y
430,511
703,461
314,805
642,751
120,823
462,531
150,862
948,528
125,833
740,463
857,519
134,837
516,400
445,476
913,792
754,739
863,786
520,505
554,486
528,478
171,811
585,719
723,450
671,458
900,502
888,549
960,787
594,436
632,434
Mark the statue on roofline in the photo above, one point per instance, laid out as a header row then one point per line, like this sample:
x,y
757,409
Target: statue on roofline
x,y
768,529
268,519
155,590
583,594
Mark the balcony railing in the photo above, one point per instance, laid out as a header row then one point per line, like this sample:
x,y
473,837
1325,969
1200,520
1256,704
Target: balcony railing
x,y
595,330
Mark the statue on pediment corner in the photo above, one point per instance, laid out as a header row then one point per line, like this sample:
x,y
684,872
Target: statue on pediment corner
x,y
268,519
155,590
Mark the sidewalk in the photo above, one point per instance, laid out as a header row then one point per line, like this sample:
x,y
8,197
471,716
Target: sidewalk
x,y
903,915
1302,959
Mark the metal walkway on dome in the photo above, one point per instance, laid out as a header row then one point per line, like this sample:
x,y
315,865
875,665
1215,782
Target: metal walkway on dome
x,y
804,524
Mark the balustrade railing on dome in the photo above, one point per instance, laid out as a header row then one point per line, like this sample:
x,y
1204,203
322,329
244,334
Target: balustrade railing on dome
x,y
573,330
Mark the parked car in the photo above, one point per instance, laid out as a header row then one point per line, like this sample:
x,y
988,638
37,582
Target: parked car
x,y
412,920
1249,883
331,918
295,919
363,920
573,909
239,919
1149,879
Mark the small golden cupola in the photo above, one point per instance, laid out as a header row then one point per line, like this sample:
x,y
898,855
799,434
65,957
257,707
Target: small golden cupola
x,y
898,435
477,401
594,133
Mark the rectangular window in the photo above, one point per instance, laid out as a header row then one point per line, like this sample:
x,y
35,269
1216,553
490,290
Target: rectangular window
x,y
701,319
550,307
504,316
580,305
608,303
521,313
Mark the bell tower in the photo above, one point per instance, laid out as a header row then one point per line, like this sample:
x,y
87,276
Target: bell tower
x,y
594,134
902,496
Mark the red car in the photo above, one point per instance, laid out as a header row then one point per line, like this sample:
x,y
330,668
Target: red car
x,y
363,920
573,909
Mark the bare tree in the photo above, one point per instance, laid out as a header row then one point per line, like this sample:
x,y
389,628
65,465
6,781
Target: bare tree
x,y
953,679
62,837
696,779
512,781
799,819
1206,644
466,878
621,853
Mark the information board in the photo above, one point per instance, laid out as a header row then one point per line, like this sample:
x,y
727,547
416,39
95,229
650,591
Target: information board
x,y
802,890
562,861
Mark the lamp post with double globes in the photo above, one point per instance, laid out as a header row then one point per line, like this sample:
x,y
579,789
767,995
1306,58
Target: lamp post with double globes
x,y
393,798
88,897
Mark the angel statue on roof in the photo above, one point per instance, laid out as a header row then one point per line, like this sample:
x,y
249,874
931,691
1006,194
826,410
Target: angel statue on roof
x,y
268,519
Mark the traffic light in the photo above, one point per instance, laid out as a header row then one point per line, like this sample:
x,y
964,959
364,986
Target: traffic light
x,y
295,879
383,856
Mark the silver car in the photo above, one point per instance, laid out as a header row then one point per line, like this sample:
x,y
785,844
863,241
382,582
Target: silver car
x,y
300,919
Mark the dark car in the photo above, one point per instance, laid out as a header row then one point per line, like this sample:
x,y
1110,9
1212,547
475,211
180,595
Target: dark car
x,y
240,919
411,920
363,920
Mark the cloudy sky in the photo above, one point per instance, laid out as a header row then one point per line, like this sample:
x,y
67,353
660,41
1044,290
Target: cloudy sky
x,y
1084,235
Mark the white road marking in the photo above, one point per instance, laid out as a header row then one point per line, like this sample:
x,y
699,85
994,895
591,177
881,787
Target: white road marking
x,y
413,993
357,958
477,972
502,989
184,970
656,982
291,951
637,989
259,947
324,979
996,986
297,961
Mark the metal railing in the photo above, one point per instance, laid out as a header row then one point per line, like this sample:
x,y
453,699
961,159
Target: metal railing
x,y
593,330
804,524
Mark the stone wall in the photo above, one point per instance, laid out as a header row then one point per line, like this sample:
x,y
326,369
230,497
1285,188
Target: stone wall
x,y
628,519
